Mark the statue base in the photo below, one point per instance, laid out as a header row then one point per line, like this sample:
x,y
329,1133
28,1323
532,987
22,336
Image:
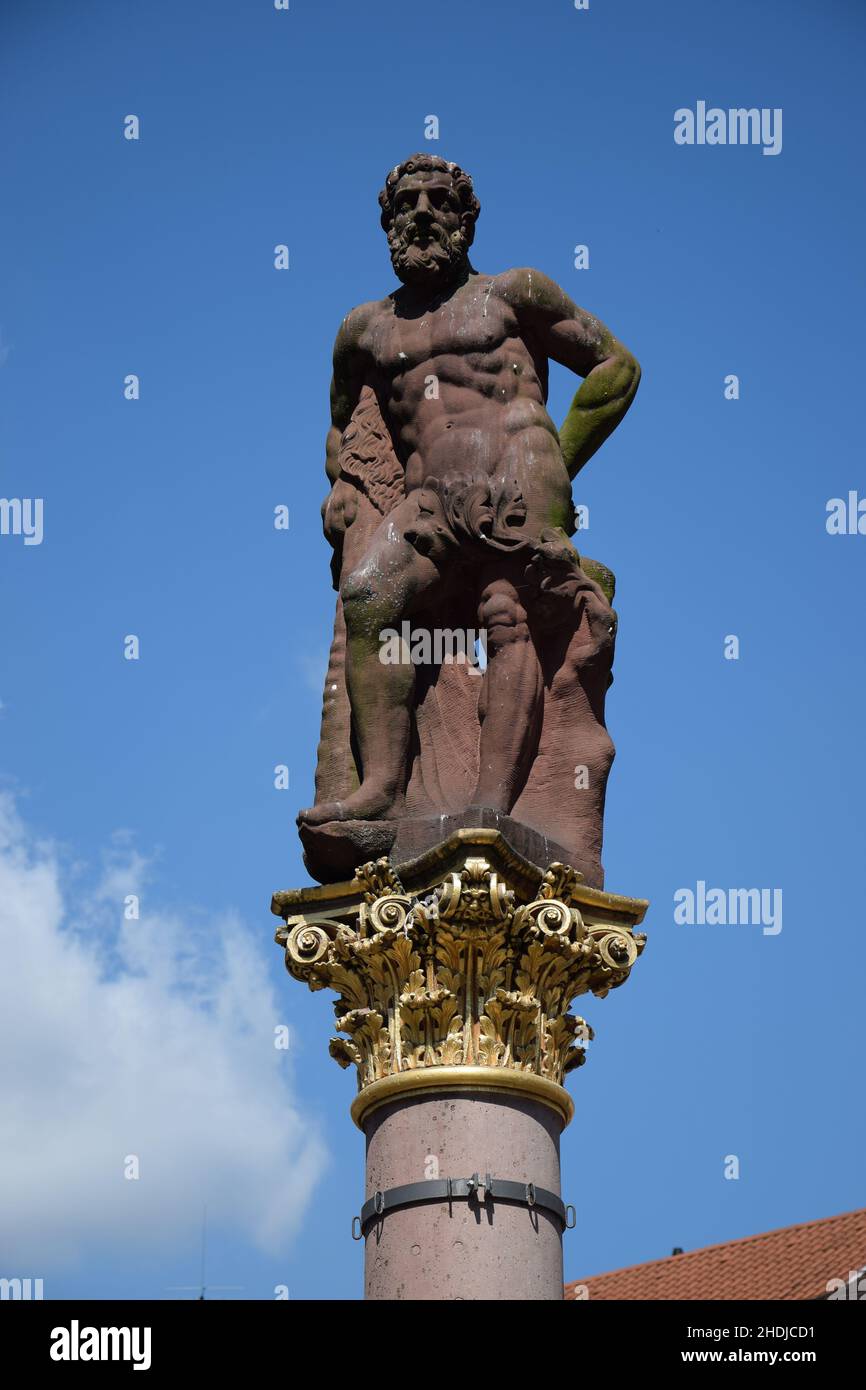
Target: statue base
x,y
333,850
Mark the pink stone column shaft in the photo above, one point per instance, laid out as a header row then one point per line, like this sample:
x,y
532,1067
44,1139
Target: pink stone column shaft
x,y
495,1251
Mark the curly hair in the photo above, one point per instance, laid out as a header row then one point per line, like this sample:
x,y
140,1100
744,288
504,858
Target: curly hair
x,y
431,164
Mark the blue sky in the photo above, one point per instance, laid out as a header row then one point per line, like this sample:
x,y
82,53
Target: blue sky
x,y
155,257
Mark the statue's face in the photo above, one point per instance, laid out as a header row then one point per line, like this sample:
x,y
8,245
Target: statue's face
x,y
426,238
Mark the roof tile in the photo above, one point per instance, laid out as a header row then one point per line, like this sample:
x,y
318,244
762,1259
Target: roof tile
x,y
795,1262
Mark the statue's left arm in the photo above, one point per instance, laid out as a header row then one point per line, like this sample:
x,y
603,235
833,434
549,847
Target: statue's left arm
x,y
577,340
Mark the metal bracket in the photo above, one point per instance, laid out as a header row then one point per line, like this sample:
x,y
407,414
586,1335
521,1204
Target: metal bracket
x,y
486,1190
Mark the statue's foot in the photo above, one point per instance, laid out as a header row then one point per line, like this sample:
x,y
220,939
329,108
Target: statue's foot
x,y
364,804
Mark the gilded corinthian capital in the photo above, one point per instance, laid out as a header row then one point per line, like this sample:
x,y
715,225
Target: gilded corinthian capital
x,y
470,957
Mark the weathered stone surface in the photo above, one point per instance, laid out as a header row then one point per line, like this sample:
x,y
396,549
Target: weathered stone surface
x,y
450,511
331,850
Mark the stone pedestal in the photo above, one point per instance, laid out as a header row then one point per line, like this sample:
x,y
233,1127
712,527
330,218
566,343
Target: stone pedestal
x,y
455,972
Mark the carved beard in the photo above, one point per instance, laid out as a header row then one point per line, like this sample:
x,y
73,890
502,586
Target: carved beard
x,y
426,265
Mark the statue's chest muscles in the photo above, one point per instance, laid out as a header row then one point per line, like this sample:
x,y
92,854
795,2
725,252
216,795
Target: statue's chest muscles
x,y
473,325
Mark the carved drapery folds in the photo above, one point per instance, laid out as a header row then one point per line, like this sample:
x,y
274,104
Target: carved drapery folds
x,y
472,970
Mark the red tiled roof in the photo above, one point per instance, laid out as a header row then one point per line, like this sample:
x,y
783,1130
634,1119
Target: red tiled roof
x,y
794,1263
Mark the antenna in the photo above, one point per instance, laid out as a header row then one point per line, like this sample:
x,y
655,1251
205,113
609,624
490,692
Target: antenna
x,y
202,1287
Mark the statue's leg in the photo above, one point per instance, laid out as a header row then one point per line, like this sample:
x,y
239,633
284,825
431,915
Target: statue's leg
x,y
377,596
511,700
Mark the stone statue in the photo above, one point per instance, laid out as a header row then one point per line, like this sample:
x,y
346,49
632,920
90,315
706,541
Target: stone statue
x,y
450,512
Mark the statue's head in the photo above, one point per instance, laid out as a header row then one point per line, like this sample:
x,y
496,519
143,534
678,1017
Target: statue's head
x,y
429,211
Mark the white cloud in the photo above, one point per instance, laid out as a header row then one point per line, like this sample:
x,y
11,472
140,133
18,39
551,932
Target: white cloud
x,y
150,1037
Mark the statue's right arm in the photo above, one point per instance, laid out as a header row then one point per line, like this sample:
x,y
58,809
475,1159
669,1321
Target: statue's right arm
x,y
340,506
346,385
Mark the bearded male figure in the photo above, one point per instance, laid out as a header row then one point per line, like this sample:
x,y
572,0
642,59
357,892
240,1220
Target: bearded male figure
x,y
451,508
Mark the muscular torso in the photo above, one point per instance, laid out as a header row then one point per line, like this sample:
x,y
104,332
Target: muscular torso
x,y
463,394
